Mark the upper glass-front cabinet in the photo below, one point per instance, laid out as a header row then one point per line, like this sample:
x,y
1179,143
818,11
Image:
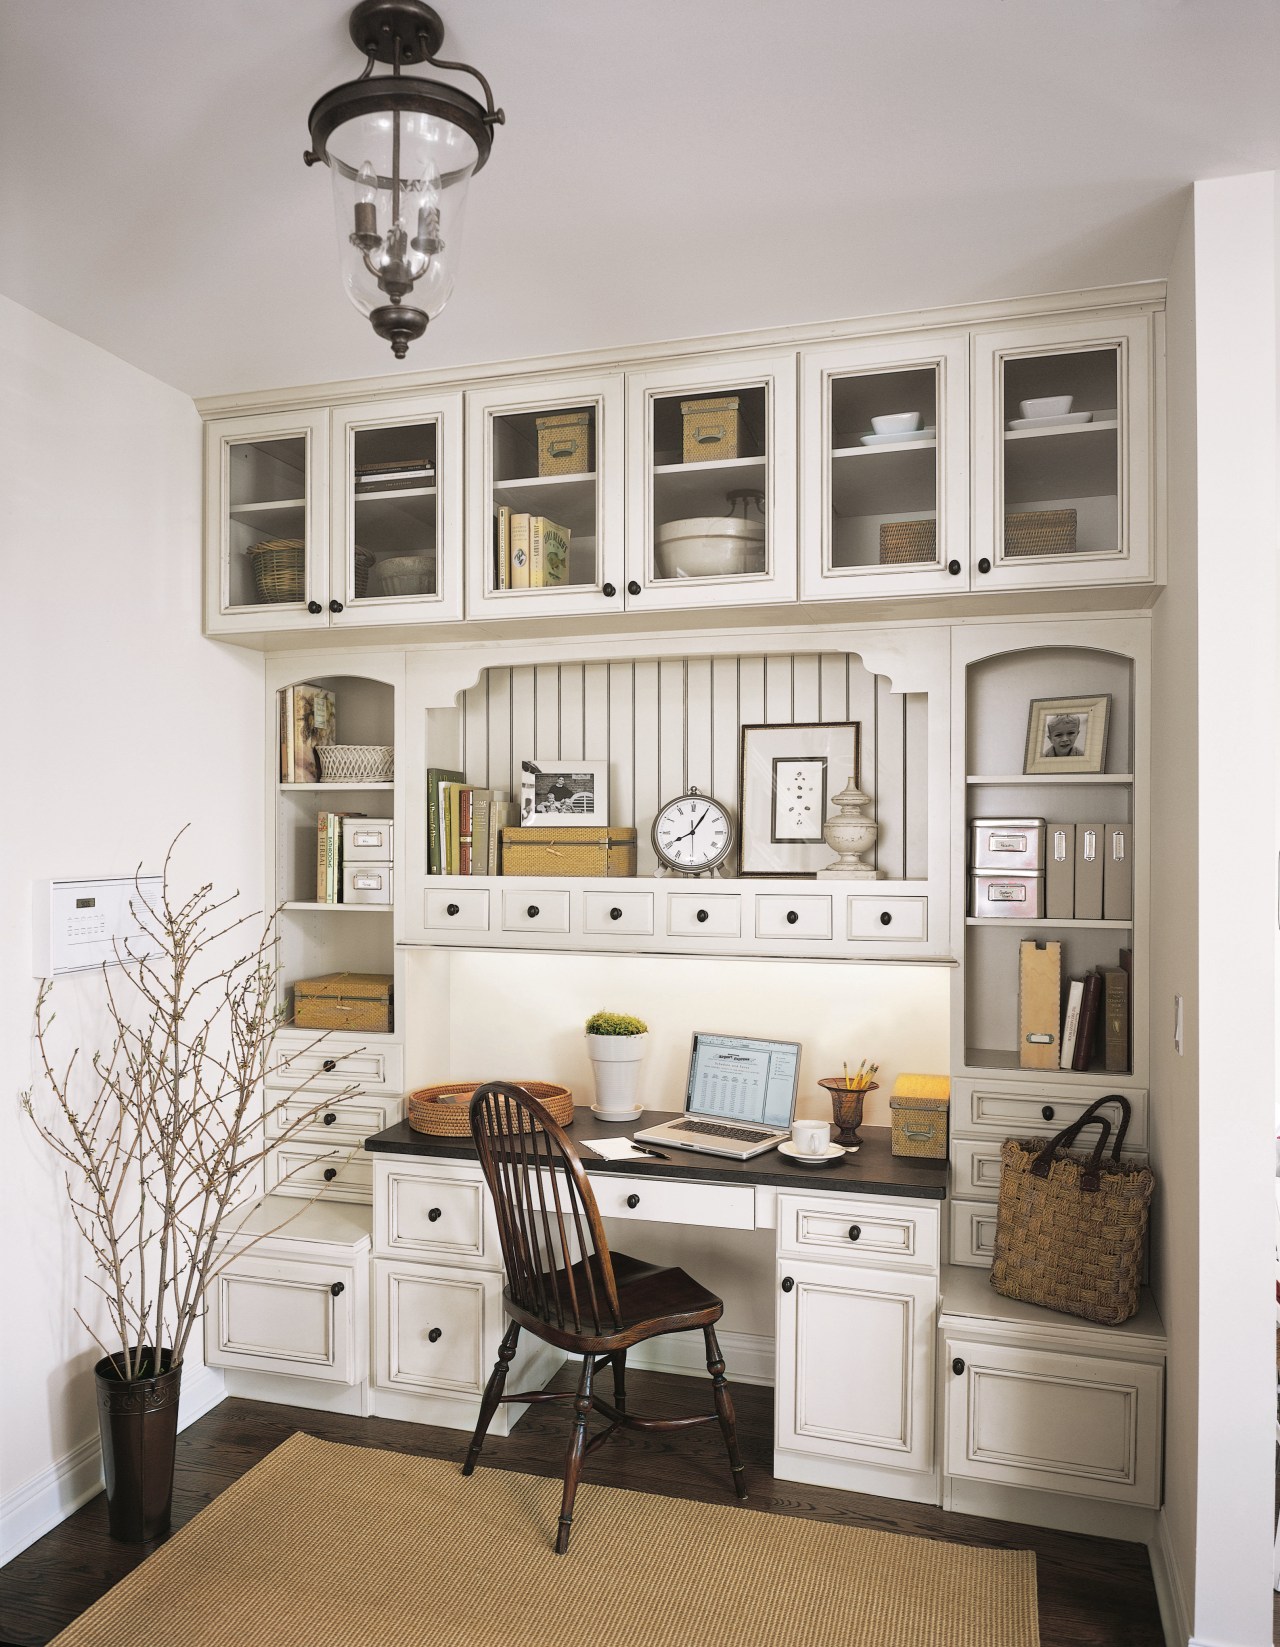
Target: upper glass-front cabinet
x,y
544,498
885,481
711,484
1062,454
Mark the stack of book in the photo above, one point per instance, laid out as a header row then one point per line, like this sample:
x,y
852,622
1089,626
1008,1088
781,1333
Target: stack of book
x,y
530,551
465,824
394,475
329,855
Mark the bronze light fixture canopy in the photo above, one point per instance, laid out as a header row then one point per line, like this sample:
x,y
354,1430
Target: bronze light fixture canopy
x,y
400,151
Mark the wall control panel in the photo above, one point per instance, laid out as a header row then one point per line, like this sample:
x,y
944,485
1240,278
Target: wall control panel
x,y
79,925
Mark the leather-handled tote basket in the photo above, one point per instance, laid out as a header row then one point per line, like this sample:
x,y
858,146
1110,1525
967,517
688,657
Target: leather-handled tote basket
x,y
1071,1229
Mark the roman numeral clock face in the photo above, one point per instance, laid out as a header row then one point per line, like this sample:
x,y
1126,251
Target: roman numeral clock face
x,y
692,833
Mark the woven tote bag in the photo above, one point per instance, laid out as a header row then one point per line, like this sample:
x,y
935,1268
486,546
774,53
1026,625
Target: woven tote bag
x,y
1071,1229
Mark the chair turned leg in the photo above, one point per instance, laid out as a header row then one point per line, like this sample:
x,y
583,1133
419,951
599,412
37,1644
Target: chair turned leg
x,y
492,1394
618,1361
724,1409
573,1459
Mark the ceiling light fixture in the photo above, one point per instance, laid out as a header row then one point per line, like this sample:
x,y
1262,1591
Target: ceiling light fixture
x,y
400,151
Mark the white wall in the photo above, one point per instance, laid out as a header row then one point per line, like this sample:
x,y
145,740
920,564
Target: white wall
x,y
123,724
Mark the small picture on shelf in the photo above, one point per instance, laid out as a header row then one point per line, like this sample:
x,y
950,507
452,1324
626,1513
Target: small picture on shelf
x,y
555,792
1067,735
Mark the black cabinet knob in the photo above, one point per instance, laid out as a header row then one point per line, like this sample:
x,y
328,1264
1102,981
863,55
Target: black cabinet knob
x,y
608,591
703,914
615,914
954,567
315,608
533,912
452,909
1047,1112
433,1215
886,919
330,1173
957,1366
335,606
329,1118
329,1065
633,1201
337,1288
792,917
787,1283
984,565
855,1232
633,588
434,1336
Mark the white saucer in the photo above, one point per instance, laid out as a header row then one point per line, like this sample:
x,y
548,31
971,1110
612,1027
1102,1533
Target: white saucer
x,y
617,1114
1064,420
834,1153
897,440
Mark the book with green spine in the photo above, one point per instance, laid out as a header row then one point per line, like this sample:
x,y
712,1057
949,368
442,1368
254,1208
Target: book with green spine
x,y
548,553
437,778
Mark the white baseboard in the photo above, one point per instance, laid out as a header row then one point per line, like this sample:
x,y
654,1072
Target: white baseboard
x,y
1170,1590
59,1491
748,1357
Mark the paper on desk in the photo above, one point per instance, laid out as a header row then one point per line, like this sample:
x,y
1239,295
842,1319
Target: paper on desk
x,y
615,1149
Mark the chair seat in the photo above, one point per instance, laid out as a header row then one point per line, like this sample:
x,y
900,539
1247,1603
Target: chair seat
x,y
651,1300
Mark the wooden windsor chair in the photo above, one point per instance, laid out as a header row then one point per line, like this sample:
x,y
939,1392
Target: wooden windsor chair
x,y
569,1290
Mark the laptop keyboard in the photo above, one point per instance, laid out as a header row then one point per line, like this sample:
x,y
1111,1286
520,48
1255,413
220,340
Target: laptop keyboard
x,y
714,1129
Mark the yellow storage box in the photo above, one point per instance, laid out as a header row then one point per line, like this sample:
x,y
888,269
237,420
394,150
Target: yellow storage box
x,y
344,1000
589,850
919,1105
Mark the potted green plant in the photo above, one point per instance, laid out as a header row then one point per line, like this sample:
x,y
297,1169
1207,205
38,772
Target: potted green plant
x,y
160,1132
616,1045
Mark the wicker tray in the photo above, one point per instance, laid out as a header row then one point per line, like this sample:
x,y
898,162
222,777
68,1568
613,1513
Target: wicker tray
x,y
443,1110
278,569
356,762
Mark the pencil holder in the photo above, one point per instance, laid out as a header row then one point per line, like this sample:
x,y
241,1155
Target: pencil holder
x,y
846,1108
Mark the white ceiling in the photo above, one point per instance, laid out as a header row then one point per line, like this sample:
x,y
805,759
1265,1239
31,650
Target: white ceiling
x,y
668,168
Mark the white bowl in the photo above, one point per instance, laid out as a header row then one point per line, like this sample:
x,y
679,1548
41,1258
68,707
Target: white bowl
x,y
895,423
714,546
1047,406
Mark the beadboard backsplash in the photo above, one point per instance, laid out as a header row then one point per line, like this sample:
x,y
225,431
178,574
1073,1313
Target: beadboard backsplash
x,y
663,726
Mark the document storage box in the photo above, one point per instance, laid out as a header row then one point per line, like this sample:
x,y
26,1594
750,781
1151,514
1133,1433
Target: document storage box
x,y
1007,897
1039,1005
1117,873
366,840
366,883
1008,843
1090,840
1060,872
918,1106
344,1000
588,850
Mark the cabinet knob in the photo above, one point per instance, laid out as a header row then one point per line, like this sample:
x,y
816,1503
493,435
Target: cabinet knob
x,y
615,914
434,1336
608,591
886,919
315,608
954,567
792,917
337,1288
787,1283
633,1201
855,1232
533,912
335,606
452,909
957,1366
984,565
329,1065
330,1173
329,1118
433,1215
703,914
1047,1112
633,588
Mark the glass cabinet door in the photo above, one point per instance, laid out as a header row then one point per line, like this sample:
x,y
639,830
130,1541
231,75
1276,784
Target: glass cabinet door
x,y
1063,480
397,526
711,484
544,512
266,546
884,459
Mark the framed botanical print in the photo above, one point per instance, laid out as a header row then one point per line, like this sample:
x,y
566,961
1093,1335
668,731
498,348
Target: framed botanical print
x,y
788,775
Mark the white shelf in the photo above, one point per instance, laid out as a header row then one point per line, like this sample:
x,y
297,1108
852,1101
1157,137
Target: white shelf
x,y
711,466
569,500
358,909
893,446
1004,1061
238,509
1083,779
1069,431
1000,920
282,519
371,496
310,788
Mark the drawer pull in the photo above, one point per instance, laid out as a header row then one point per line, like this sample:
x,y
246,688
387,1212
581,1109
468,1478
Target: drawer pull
x,y
615,914
957,1366
338,1288
1047,1112
633,1201
433,1215
886,919
330,1173
533,912
452,909
329,1118
792,917
433,1337
703,915
329,1065
787,1283
855,1232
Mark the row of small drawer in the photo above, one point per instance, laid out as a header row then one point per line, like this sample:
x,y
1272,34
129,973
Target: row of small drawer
x,y
809,915
327,1154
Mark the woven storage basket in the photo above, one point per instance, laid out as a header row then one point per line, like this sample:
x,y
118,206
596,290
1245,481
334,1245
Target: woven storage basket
x,y
356,762
1070,1229
364,565
590,850
908,542
278,569
344,1000
443,1110
712,428
406,575
1040,532
563,443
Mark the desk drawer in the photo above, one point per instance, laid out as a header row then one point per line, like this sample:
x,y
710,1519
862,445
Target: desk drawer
x,y
302,1169
892,920
808,916
618,913
535,909
1038,1109
454,910
436,1214
326,1067
854,1230
713,915
676,1201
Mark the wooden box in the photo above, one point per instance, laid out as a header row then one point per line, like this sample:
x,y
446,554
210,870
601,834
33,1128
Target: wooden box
x,y
588,850
1039,532
564,441
344,1000
711,428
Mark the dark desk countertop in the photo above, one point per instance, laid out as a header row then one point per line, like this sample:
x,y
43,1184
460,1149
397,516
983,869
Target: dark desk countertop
x,y
874,1170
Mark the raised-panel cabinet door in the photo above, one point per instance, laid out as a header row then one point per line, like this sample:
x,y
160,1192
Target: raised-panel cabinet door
x,y
1063,461
884,468
711,484
282,1316
544,498
436,1331
855,1364
397,512
266,535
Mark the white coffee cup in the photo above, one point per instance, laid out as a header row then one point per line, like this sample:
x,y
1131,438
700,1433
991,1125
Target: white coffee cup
x,y
811,1137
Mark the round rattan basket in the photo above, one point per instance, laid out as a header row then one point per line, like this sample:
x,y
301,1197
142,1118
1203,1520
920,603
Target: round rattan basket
x,y
356,762
278,569
443,1110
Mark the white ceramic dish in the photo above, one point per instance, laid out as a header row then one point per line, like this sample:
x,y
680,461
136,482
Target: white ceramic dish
x,y
617,1114
829,1157
1064,420
896,423
897,440
1046,406
710,546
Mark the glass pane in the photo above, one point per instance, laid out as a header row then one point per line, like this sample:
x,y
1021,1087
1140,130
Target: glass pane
x,y
710,484
393,542
545,500
1061,455
884,470
267,523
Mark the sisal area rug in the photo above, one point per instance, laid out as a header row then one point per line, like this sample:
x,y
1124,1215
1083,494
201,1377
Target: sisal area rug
x,y
322,1545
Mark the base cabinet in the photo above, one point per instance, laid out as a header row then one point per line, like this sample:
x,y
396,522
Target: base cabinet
x,y
433,1328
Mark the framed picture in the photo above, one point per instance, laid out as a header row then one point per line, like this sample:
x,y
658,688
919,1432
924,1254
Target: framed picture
x,y
563,792
1067,734
788,775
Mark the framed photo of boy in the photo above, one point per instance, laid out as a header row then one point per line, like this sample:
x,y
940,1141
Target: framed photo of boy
x,y
1067,735
563,792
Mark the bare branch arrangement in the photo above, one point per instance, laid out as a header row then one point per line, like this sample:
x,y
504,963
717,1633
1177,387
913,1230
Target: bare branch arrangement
x,y
160,1137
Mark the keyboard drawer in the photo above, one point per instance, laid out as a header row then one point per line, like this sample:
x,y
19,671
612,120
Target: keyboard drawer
x,y
857,1230
676,1201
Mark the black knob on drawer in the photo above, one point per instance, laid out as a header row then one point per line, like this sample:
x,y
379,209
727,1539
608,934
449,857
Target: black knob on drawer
x,y
703,914
315,608
633,588
855,1232
633,1201
434,1336
787,1283
335,606
957,1366
329,1117
1047,1112
329,1065
608,591
338,1287
792,917
433,1215
330,1173
984,565
886,919
954,567
533,912
452,909
615,914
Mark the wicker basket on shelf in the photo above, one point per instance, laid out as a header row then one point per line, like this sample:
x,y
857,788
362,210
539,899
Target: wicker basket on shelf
x,y
908,542
1039,532
406,575
364,565
443,1110
356,762
279,569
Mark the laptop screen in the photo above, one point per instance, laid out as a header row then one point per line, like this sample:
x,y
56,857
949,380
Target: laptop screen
x,y
739,1079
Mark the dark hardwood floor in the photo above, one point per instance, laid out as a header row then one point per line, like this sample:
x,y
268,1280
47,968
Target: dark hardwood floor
x,y
1093,1592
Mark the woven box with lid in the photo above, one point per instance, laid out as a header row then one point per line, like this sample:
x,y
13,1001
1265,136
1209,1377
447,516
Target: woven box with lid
x,y
344,1000
908,542
564,442
589,850
1039,532
712,428
919,1105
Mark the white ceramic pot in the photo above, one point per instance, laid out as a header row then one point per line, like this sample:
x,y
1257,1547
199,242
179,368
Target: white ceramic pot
x,y
716,546
615,1063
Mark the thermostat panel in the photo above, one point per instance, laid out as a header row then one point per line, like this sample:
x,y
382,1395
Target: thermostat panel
x,y
78,925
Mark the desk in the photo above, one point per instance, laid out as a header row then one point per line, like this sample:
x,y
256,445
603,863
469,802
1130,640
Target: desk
x,y
855,1282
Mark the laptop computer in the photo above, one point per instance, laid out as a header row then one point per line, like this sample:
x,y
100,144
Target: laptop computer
x,y
739,1100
